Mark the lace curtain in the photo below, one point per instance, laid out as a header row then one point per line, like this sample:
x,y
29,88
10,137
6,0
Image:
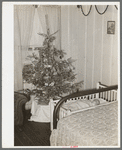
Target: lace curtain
x,y
46,16
24,33
23,23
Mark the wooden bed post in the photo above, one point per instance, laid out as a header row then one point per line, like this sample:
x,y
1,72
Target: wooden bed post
x,y
98,84
51,113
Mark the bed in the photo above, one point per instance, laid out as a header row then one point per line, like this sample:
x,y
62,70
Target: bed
x,y
91,126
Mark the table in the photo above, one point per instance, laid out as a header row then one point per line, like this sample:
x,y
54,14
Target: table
x,y
40,113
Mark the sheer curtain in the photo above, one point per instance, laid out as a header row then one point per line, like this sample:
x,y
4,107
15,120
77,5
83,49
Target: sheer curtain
x,y
49,16
23,22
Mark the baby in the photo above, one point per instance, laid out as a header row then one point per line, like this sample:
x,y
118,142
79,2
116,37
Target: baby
x,y
94,102
91,102
81,104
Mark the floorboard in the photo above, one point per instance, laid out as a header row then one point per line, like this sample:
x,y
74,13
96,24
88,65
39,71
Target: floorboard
x,y
32,134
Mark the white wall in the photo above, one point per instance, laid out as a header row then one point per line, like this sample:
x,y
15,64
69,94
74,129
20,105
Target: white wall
x,y
86,39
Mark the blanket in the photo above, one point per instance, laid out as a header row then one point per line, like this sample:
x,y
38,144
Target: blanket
x,y
93,127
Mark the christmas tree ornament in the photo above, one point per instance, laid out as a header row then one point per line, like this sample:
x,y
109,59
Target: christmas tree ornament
x,y
51,84
55,73
45,60
46,77
47,66
46,84
58,58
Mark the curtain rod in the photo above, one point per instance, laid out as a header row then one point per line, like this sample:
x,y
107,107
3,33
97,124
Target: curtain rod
x,y
36,6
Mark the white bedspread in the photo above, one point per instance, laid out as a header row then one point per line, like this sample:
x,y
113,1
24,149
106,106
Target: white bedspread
x,y
94,127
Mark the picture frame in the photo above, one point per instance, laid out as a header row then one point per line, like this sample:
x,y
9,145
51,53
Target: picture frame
x,y
111,27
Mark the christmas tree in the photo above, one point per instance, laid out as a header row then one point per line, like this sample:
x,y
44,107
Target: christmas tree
x,y
49,72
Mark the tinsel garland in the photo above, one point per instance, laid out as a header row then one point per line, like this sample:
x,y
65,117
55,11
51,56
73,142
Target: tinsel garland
x,y
102,12
88,12
80,6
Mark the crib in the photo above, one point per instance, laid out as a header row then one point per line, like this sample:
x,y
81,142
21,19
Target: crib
x,y
102,92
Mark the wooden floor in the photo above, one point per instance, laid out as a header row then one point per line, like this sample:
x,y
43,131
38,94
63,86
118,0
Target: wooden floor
x,y
32,134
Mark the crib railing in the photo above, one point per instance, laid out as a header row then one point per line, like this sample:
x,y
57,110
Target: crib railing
x,y
104,92
107,95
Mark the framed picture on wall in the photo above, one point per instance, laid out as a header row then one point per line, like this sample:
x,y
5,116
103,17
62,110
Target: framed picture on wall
x,y
111,27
